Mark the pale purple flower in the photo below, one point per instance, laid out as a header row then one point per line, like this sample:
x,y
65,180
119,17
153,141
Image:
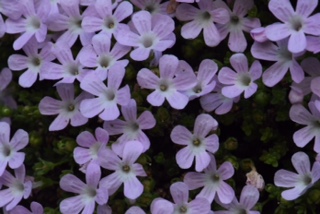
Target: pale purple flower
x,y
70,68
180,195
284,61
104,19
5,96
31,24
99,56
135,210
205,77
298,182
237,24
200,19
301,115
105,104
242,79
91,148
36,208
18,187
10,9
9,149
131,128
248,198
152,6
197,143
295,23
35,62
126,171
70,22
217,102
311,66
148,33
88,194
67,109
212,181
167,86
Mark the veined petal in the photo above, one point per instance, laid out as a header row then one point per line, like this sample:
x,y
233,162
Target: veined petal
x,y
132,188
177,100
301,163
181,135
281,9
185,157
277,31
204,124
50,106
179,192
147,79
191,30
71,183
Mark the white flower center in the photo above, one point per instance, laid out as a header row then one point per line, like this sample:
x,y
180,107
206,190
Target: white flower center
x,y
110,95
244,80
296,23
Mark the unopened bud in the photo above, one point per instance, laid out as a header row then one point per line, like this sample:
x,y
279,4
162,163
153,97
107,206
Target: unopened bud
x,y
255,179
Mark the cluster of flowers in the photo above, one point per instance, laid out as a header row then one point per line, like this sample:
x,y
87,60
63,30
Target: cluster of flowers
x,y
100,66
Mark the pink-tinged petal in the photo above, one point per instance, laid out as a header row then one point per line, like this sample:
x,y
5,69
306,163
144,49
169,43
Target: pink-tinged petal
x,y
281,9
301,163
177,100
276,31
211,35
86,139
294,193
284,178
162,25
303,136
28,78
140,54
305,8
156,98
204,124
239,62
168,65
22,40
147,79
231,91
315,86
19,140
297,74
274,73
146,120
312,25
91,24
50,106
181,135
142,22
207,70
161,206
72,205
123,10
93,175
180,193
248,92
186,12
132,151
208,192
59,123
92,107
71,183
17,62
297,42
225,192
123,95
114,127
202,161
249,196
191,30
212,143
226,170
81,155
16,160
237,42
133,188
185,157
300,114
227,76
110,112
92,84
265,50
15,26
199,205
194,180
